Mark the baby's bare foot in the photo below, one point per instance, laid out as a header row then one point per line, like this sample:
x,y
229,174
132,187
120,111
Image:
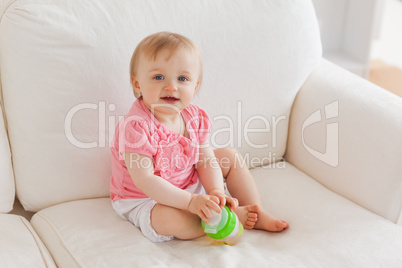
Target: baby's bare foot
x,y
248,215
268,222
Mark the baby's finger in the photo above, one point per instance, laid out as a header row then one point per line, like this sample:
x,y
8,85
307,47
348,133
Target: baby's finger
x,y
211,204
222,200
234,203
207,212
203,218
215,199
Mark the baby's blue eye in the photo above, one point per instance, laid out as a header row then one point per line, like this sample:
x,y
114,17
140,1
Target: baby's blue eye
x,y
159,77
182,78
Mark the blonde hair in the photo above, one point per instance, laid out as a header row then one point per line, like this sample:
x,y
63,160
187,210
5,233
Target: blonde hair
x,y
151,45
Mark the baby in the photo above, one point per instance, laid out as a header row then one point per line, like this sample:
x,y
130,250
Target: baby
x,y
165,176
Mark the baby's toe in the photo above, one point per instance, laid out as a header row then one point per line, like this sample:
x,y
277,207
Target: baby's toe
x,y
251,216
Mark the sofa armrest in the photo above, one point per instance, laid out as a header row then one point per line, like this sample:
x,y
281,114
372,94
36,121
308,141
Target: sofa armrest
x,y
346,133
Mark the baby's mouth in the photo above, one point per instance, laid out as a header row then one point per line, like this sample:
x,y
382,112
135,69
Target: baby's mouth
x,y
170,99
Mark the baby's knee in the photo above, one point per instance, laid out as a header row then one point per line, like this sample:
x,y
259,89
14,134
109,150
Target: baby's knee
x,y
175,222
228,156
186,225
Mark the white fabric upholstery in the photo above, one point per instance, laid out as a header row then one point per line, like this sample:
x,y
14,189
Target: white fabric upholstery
x,y
4,4
20,246
73,57
326,230
7,188
368,138
64,78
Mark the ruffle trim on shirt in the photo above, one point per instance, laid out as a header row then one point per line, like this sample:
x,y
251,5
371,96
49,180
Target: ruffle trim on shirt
x,y
134,136
174,152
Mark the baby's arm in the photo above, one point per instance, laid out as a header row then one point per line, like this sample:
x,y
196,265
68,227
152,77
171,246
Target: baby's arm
x,y
211,176
142,173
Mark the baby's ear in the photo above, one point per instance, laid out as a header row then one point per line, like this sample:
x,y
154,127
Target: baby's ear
x,y
135,84
196,86
136,87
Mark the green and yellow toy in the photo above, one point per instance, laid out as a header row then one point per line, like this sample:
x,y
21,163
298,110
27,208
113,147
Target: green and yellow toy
x,y
224,227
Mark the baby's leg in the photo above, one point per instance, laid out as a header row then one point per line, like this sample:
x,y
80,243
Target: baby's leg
x,y
175,222
241,185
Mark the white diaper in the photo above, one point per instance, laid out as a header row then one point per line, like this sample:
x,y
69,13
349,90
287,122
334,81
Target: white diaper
x,y
138,212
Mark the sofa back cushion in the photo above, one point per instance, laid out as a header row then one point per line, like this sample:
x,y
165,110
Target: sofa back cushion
x,y
65,67
7,188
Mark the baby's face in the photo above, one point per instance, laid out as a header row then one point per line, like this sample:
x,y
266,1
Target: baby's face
x,y
169,81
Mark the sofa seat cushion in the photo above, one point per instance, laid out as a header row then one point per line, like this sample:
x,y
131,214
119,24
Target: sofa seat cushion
x,y
20,246
325,228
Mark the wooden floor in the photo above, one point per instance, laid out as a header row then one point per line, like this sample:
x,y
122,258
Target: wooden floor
x,y
386,76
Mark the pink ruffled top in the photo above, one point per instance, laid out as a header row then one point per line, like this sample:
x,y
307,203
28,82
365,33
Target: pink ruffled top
x,y
174,156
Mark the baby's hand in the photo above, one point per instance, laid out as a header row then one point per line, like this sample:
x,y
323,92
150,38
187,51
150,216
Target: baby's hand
x,y
225,200
200,204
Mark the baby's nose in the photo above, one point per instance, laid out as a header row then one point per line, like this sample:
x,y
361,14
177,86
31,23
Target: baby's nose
x,y
170,86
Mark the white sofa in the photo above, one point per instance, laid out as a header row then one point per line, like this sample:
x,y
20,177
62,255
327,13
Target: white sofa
x,y
324,145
